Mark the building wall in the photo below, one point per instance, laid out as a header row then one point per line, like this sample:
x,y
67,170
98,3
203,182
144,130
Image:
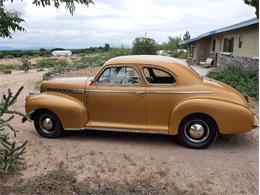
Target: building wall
x,y
250,40
224,60
201,51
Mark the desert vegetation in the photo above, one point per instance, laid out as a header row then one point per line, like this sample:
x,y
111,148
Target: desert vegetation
x,y
11,153
243,80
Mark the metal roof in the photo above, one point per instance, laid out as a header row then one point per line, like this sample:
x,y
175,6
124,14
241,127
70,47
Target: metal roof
x,y
246,23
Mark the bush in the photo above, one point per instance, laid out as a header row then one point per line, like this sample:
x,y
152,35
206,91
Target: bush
x,y
183,55
40,69
51,62
23,53
7,71
7,68
62,62
142,45
46,63
243,80
25,65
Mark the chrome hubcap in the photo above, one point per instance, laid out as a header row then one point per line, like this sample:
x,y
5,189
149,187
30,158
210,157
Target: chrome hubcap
x,y
196,131
46,124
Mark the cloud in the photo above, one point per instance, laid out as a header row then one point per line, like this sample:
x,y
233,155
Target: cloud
x,y
119,22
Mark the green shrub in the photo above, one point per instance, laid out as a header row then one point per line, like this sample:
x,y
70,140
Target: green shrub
x,y
243,80
7,71
46,63
40,69
143,45
51,62
7,68
62,62
23,53
183,55
25,65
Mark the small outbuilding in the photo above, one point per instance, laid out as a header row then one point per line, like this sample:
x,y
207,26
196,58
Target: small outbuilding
x,y
61,53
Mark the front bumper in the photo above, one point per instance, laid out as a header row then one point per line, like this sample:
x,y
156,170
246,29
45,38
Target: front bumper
x,y
27,117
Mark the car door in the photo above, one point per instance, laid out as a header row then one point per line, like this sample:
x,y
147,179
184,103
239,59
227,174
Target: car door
x,y
116,99
159,98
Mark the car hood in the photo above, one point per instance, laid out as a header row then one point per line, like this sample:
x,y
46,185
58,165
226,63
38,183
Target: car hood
x,y
225,92
66,83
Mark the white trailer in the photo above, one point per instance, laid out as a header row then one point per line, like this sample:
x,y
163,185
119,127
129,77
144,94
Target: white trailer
x,y
61,53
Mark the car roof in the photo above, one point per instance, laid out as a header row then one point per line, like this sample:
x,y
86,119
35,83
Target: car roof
x,y
185,74
163,61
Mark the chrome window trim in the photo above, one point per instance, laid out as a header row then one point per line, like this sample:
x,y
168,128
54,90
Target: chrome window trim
x,y
66,90
164,70
179,92
118,84
149,92
114,91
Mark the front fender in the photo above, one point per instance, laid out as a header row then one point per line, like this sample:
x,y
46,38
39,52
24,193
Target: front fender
x,y
230,118
71,112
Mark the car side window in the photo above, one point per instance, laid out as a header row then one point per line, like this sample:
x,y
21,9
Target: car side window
x,y
119,75
158,76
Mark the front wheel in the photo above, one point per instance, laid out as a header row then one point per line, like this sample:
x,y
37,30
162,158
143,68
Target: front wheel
x,y
48,124
197,131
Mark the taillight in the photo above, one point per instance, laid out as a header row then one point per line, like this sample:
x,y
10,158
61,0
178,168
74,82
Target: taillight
x,y
246,97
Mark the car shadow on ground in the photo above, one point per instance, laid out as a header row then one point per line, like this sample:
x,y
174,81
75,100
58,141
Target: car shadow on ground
x,y
234,141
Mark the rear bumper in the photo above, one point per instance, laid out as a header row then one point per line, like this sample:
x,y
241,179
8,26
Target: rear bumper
x,y
256,121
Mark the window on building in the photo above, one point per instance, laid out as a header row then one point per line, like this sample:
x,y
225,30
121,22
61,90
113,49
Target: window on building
x,y
240,41
214,45
191,50
228,44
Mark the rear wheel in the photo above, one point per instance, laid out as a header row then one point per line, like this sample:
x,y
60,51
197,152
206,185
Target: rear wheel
x,y
197,131
48,124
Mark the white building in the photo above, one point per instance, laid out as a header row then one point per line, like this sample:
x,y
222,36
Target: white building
x,y
61,53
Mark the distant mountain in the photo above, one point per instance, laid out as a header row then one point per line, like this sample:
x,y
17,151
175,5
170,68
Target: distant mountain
x,y
7,48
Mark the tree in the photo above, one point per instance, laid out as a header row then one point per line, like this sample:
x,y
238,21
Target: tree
x,y
10,21
255,4
172,44
57,49
11,154
42,50
186,36
107,47
143,45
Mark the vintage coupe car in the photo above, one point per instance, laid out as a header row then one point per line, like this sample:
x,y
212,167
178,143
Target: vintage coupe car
x,y
142,93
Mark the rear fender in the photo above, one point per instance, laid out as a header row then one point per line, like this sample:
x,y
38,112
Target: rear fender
x,y
229,117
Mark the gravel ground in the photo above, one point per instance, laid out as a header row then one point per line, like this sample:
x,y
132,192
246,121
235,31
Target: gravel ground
x,y
93,162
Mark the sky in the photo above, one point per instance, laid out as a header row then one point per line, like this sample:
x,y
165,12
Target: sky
x,y
119,22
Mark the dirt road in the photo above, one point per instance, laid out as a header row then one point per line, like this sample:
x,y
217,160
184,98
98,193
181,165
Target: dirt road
x,y
110,163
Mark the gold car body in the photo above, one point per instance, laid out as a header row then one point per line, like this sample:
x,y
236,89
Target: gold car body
x,y
81,104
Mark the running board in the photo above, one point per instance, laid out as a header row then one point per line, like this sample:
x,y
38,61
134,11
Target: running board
x,y
116,130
